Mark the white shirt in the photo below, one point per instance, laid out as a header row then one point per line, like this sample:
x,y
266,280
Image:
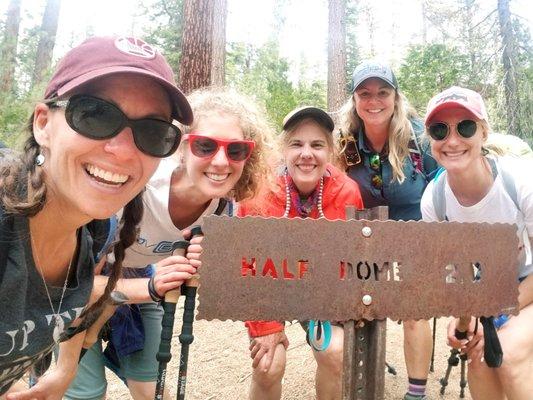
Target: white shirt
x,y
157,231
496,206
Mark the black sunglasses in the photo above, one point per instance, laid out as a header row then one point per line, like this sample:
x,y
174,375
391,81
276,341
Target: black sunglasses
x,y
98,119
440,130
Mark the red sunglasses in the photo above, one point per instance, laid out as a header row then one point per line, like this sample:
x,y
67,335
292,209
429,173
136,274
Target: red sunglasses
x,y
206,147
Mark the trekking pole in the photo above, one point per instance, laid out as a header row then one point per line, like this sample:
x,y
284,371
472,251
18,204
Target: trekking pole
x,y
432,365
492,349
186,336
167,326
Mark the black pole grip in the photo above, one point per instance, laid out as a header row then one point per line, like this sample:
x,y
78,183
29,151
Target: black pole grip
x,y
164,355
460,335
196,231
186,338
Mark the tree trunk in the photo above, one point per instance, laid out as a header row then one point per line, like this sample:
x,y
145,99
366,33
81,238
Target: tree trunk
x,y
218,65
336,54
8,52
508,59
45,48
203,44
424,23
470,41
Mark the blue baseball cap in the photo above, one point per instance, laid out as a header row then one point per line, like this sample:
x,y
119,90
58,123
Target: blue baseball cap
x,y
373,69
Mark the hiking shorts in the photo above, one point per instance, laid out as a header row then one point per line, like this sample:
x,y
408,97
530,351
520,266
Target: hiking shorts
x,y
90,382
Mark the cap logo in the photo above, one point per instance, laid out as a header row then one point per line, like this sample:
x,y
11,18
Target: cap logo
x,y
135,47
453,96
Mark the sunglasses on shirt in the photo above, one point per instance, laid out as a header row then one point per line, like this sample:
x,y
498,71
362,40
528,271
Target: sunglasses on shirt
x,y
206,147
440,130
376,179
98,119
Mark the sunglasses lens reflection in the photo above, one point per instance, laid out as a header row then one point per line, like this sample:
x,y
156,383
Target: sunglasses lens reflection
x,y
467,128
203,147
98,119
377,182
438,130
238,151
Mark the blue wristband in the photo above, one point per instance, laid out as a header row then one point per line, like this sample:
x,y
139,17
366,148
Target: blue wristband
x,y
500,320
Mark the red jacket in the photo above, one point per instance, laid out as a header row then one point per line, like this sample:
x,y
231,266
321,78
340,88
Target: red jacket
x,y
339,191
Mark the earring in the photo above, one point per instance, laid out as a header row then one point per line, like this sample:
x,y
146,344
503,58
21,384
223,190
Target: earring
x,y
39,160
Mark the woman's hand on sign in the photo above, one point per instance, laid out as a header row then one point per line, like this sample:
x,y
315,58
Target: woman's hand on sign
x,y
263,348
171,273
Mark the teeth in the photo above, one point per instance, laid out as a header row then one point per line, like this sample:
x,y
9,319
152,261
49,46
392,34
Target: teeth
x,y
306,167
106,175
216,177
374,111
454,153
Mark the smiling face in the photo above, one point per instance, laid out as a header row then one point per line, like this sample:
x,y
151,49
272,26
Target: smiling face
x,y
95,178
456,153
215,176
374,102
306,152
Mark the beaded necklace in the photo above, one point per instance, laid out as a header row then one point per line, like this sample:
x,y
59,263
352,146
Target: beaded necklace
x,y
292,196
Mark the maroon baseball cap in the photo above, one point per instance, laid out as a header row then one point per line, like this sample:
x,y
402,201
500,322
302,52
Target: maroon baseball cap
x,y
101,56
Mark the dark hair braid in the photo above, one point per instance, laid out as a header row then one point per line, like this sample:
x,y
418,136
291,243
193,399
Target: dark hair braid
x,y
22,186
129,231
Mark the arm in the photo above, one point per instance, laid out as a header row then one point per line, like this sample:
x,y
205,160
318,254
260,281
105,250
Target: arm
x,y
170,273
54,383
525,289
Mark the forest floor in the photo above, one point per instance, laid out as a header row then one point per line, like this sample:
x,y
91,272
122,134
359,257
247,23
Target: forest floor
x,y
220,366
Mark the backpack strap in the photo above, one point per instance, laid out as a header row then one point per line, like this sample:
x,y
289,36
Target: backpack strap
x,y
438,196
225,206
507,180
419,153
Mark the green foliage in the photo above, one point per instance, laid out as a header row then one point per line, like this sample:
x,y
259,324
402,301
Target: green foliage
x,y
429,69
263,74
352,50
13,117
164,27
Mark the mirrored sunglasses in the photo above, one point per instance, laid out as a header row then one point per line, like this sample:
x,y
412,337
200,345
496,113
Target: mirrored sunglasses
x,y
374,162
206,147
440,130
99,119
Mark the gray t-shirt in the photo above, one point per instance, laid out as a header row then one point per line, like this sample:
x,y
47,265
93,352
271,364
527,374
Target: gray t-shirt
x,y
28,327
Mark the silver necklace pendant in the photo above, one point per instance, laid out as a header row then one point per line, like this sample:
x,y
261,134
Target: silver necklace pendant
x,y
59,327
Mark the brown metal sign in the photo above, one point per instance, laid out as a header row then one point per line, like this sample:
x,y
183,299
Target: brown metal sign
x,y
292,269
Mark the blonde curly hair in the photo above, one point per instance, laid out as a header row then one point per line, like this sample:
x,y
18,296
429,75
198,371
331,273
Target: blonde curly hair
x,y
208,101
400,131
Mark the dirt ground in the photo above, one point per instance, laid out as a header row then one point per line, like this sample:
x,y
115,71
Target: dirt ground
x,y
220,367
